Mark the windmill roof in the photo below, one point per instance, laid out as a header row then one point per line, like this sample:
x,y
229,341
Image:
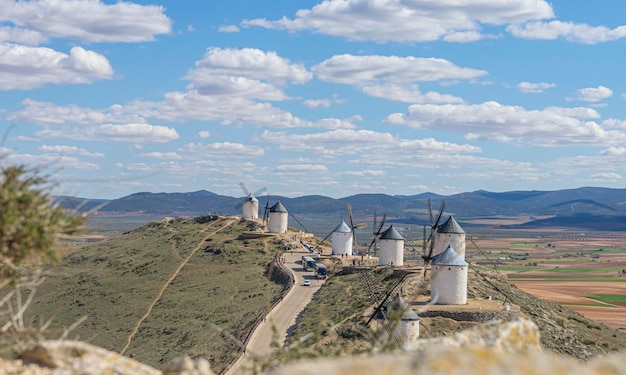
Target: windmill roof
x,y
252,199
398,304
450,226
278,207
342,228
391,234
449,257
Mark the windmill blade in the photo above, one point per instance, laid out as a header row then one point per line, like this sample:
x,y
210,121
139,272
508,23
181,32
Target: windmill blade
x,y
374,226
430,212
354,243
321,241
266,212
380,227
443,207
298,221
245,189
259,192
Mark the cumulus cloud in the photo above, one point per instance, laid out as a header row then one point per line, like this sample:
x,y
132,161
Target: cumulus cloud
x,y
41,113
394,77
228,29
358,70
501,123
219,149
65,150
21,36
179,106
337,143
606,176
86,21
409,94
140,133
315,103
537,87
594,94
23,67
573,32
247,72
408,20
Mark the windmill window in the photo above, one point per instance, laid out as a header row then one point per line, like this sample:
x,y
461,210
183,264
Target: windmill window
x,y
449,269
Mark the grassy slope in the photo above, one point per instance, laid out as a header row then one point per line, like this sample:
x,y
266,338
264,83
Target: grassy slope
x,y
338,330
208,307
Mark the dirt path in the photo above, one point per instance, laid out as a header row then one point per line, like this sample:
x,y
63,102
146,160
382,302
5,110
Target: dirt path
x,y
169,281
280,320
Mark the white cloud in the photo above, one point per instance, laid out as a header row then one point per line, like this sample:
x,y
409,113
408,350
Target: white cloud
x,y
409,94
500,123
394,77
579,33
64,150
408,20
614,151
178,106
228,29
594,94
301,168
23,67
141,133
48,160
360,70
41,113
204,134
247,72
21,36
606,176
340,143
219,149
313,103
161,155
530,87
88,21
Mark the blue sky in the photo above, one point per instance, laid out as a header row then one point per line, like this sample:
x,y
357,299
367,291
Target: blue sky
x,y
335,97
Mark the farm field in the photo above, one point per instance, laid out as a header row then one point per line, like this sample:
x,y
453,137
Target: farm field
x,y
583,271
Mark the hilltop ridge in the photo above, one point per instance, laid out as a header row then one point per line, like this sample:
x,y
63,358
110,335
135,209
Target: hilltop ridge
x,y
602,208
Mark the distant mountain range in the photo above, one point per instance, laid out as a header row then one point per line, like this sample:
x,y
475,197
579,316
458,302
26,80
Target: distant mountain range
x,y
586,208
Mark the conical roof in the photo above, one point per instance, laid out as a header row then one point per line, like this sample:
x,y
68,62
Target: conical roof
x,y
449,257
342,228
391,234
252,199
278,207
398,304
450,226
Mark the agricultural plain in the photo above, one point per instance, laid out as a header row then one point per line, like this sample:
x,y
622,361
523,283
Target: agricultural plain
x,y
585,271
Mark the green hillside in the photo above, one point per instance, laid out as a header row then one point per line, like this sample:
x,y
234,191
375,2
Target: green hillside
x,y
205,310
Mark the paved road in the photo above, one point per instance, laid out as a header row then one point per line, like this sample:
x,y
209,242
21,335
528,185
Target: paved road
x,y
282,317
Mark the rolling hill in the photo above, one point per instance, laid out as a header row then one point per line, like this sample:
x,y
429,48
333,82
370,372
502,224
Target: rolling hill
x,y
586,208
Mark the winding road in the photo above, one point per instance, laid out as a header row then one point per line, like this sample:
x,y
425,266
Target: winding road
x,y
281,319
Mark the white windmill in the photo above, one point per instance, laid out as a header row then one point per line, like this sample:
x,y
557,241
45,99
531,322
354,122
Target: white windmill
x,y
251,203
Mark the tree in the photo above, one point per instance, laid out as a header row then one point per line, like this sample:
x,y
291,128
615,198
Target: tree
x,y
29,221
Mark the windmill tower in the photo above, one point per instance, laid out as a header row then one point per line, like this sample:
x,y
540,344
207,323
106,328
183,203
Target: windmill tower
x,y
405,328
278,218
448,284
250,205
450,233
342,239
391,248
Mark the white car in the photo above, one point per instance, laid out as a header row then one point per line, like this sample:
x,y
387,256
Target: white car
x,y
307,283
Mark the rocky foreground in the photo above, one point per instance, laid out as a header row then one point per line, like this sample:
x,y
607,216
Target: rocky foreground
x,y
493,348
